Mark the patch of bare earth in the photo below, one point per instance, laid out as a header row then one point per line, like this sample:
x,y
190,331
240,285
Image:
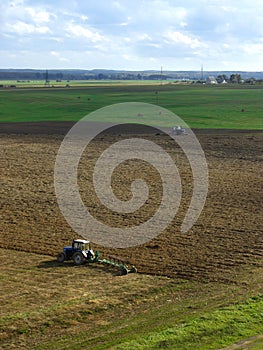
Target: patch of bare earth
x,y
227,235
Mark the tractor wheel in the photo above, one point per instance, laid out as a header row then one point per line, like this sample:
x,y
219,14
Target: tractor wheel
x,y
61,257
78,258
133,270
124,271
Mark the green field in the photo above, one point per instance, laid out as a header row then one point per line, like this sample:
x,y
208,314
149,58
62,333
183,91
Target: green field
x,y
233,107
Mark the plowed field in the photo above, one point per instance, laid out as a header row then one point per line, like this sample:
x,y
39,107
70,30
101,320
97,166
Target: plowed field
x,y
226,237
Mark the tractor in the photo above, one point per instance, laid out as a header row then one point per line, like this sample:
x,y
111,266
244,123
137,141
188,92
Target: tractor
x,y
178,130
81,252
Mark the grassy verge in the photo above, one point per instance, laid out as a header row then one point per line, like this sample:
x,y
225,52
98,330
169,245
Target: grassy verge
x,y
215,329
200,106
212,330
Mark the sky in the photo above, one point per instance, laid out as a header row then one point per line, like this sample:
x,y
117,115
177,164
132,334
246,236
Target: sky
x,y
132,34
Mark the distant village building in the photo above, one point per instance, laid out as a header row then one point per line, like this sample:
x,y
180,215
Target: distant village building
x,y
211,80
221,79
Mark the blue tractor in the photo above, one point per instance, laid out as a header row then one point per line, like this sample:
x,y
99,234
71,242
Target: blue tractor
x,y
80,251
178,130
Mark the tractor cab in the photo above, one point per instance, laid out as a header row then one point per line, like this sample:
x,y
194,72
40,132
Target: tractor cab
x,y
83,247
80,245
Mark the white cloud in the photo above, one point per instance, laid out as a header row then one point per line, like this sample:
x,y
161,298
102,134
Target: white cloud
x,y
123,24
183,24
38,15
22,28
59,56
164,11
16,2
117,4
181,38
155,45
129,57
54,53
143,37
127,39
253,49
84,18
76,30
229,8
57,39
17,11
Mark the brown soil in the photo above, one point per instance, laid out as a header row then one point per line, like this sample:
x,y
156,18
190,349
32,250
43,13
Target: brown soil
x,y
226,237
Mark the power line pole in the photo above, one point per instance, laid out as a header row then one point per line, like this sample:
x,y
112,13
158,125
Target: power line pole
x,y
46,79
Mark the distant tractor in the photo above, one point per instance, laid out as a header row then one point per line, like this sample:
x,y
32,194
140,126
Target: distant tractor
x,y
81,252
178,130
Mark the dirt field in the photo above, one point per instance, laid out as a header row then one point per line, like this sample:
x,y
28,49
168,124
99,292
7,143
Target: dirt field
x,y
227,235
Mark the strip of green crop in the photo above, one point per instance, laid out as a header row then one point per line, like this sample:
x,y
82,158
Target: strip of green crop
x,y
199,107
204,331
210,331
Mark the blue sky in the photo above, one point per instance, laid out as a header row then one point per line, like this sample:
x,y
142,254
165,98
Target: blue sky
x,y
132,34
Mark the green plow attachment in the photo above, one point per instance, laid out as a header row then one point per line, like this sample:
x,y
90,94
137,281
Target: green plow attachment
x,y
116,262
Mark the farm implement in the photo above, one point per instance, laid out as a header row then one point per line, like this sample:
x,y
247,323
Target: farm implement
x,y
81,252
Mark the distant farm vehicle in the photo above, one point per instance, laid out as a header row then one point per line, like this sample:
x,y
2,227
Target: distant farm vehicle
x,y
178,130
81,252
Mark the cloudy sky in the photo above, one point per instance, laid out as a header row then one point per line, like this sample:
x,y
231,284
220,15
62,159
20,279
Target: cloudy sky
x,y
132,34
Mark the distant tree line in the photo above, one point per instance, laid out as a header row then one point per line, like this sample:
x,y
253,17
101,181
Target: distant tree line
x,y
12,75
59,75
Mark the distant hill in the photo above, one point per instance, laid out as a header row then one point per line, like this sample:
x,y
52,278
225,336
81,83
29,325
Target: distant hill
x,y
100,74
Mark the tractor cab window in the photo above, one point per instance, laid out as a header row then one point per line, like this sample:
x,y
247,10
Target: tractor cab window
x,y
79,246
